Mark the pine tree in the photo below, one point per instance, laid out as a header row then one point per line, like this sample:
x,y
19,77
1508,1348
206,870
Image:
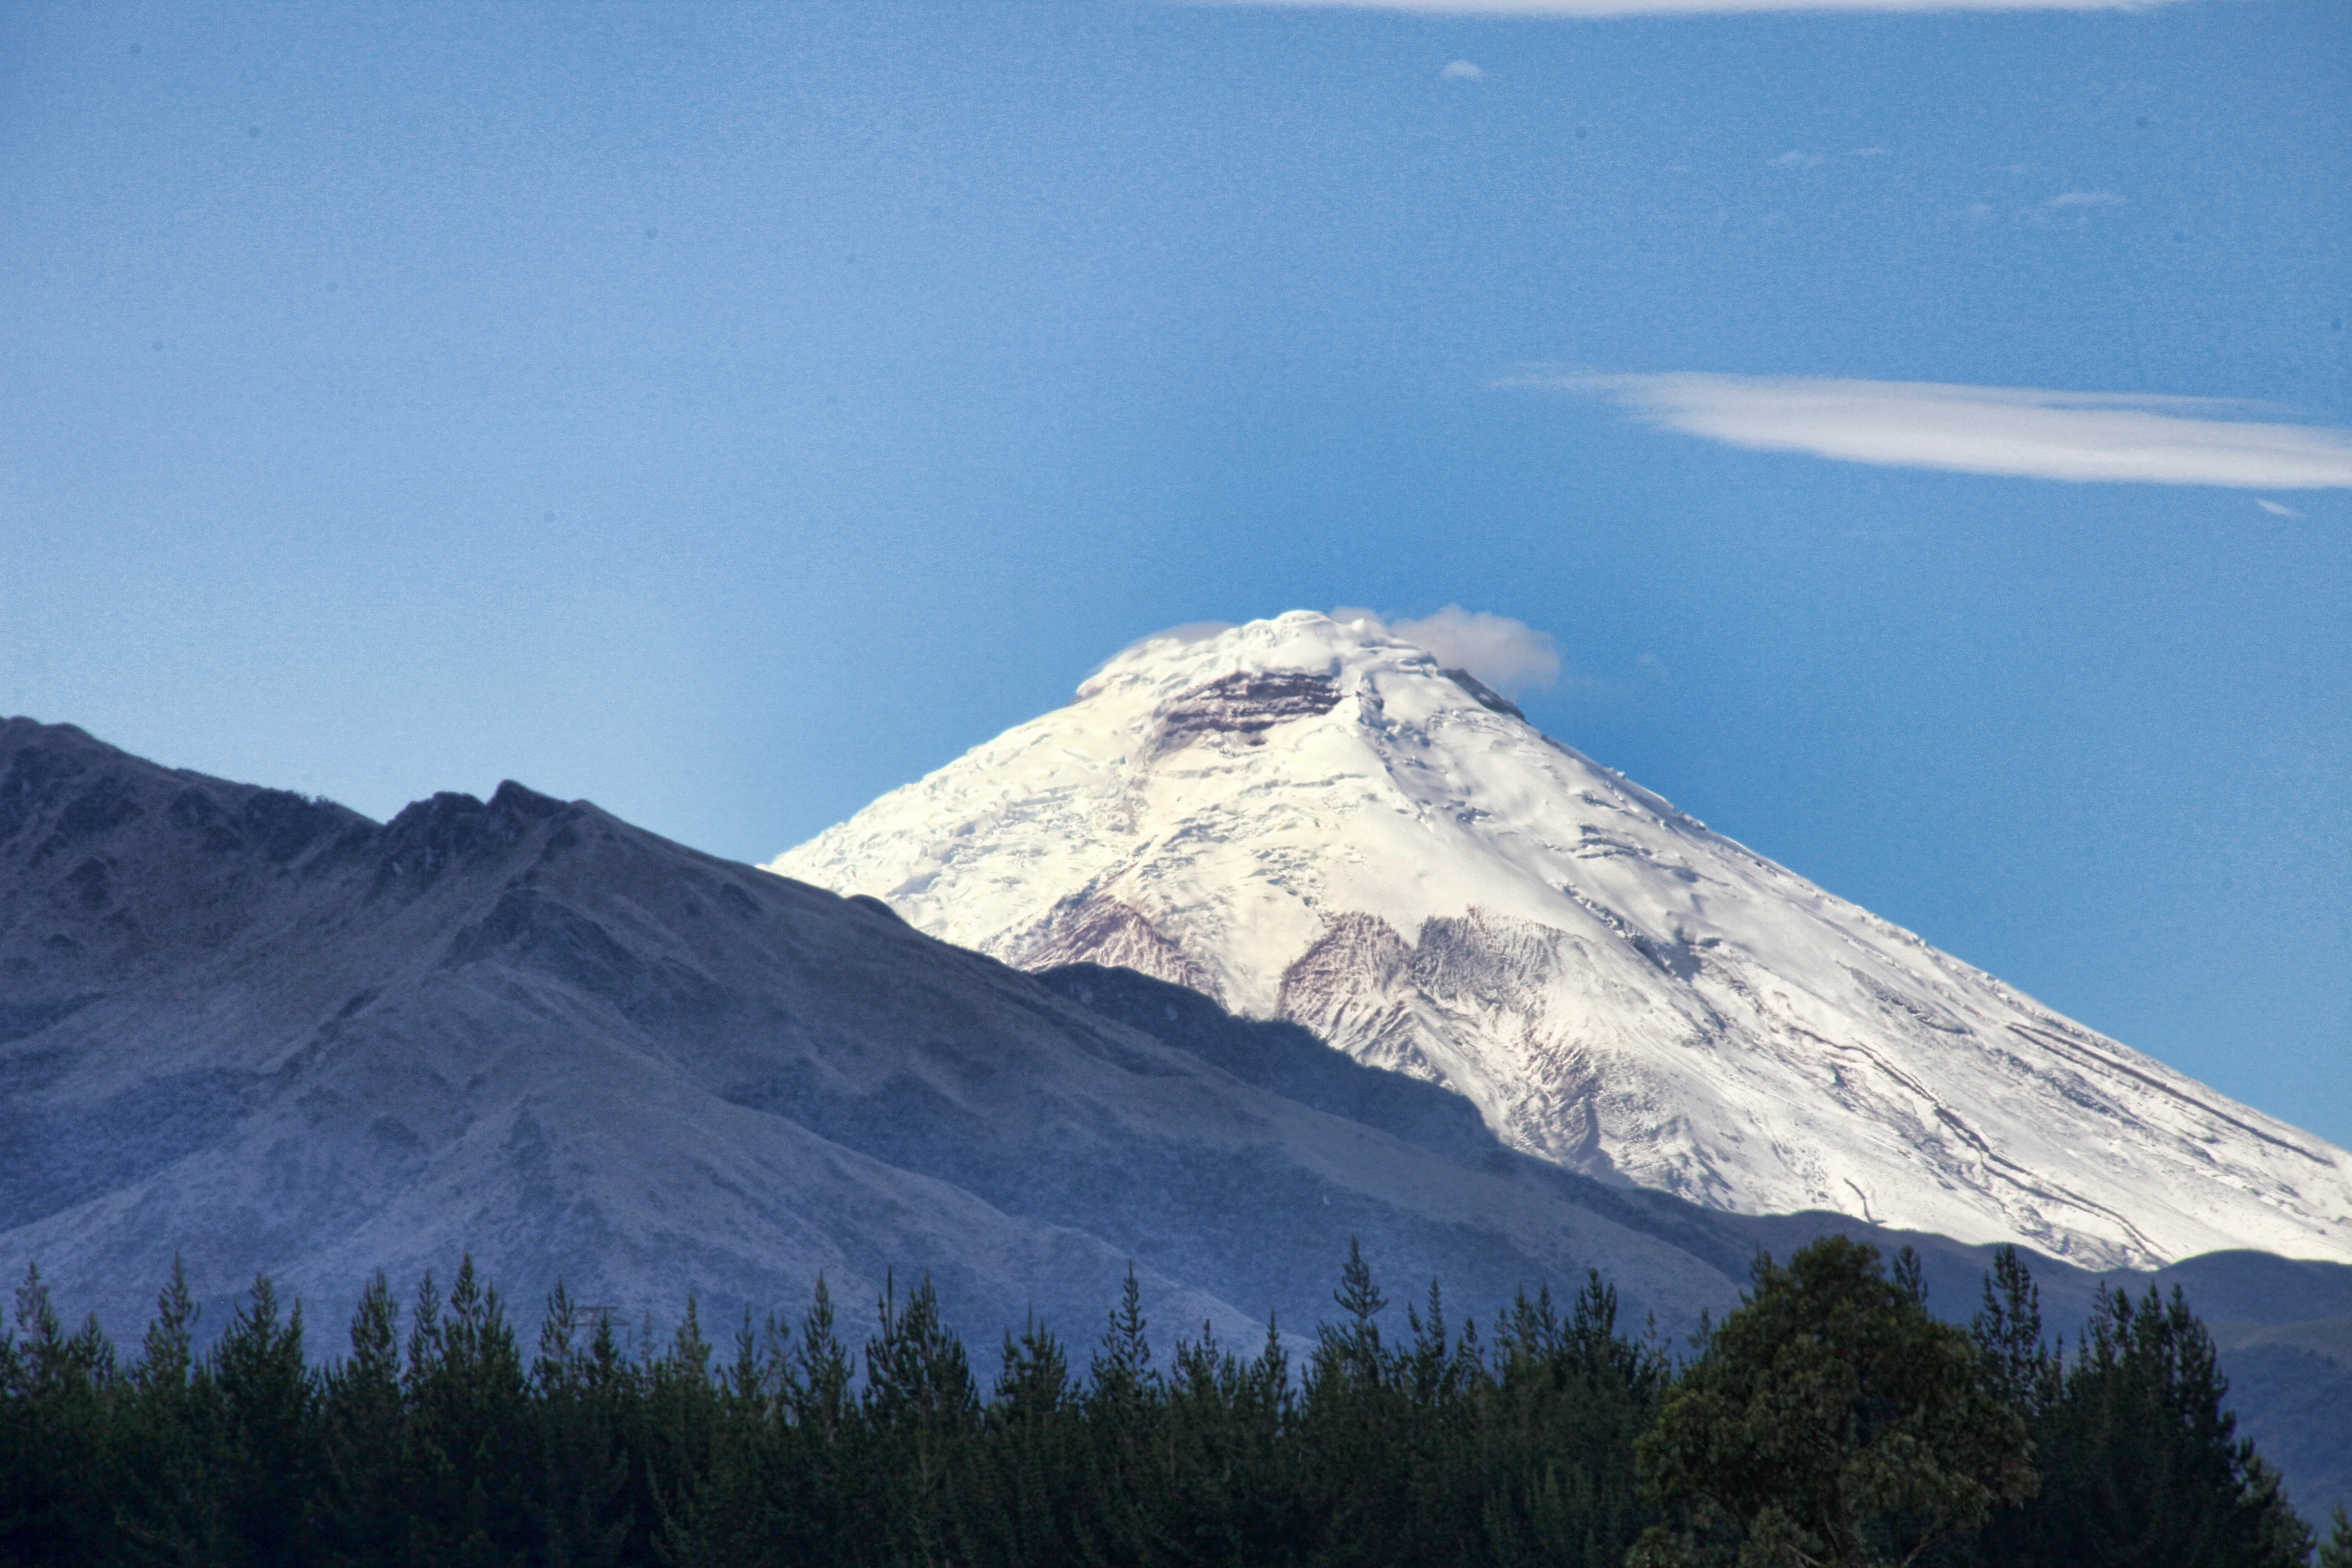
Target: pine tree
x,y
577,1499
825,1440
1440,1387
678,1413
750,1505
364,1441
819,1399
466,1401
2019,1366
1028,1485
2141,1465
1353,1426
1123,1408
920,1412
1567,1399
2335,1551
165,1436
56,1491
268,1449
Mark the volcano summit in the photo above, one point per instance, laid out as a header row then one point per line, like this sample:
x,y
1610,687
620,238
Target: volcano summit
x,y
1314,820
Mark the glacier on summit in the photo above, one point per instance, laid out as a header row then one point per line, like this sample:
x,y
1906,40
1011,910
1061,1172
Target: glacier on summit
x,y
1313,819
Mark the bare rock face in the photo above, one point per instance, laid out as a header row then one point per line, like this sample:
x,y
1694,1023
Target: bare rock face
x,y
1095,929
1312,821
1237,709
1348,988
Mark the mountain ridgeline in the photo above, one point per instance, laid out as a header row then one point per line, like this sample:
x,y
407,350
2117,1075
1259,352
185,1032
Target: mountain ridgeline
x,y
1309,819
263,1035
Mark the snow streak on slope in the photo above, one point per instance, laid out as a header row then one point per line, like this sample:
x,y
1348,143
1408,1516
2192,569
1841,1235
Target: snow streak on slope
x,y
1311,819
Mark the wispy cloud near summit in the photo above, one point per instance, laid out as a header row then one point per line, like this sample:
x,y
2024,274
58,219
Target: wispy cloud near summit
x,y
2020,431
1507,655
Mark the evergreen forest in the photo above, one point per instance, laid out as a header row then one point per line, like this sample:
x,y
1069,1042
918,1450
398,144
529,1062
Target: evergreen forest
x,y
1831,1420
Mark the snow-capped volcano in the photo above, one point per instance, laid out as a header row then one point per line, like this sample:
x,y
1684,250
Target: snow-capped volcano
x,y
1312,819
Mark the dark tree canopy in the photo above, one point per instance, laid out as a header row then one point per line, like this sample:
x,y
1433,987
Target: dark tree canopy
x,y
1830,1420
2141,1466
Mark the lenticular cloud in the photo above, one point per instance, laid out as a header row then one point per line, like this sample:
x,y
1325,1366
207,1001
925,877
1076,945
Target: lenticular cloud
x,y
2020,431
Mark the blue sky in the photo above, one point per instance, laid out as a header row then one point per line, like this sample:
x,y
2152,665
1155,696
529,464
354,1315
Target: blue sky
x,y
728,413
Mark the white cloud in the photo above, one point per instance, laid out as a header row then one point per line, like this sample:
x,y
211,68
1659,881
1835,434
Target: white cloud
x,y
2084,199
1691,7
1794,160
1190,632
1507,655
1461,70
2276,509
2020,431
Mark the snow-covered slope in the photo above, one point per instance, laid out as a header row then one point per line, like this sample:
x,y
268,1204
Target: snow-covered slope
x,y
1312,820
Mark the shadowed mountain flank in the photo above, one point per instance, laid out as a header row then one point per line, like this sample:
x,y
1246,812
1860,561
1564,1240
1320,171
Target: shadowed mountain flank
x,y
272,1035
2290,1358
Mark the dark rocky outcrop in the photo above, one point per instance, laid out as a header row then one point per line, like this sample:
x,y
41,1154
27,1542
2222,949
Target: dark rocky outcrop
x,y
1241,707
